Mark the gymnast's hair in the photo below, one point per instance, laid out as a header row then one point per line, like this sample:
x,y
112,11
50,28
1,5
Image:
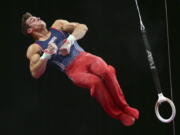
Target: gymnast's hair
x,y
24,26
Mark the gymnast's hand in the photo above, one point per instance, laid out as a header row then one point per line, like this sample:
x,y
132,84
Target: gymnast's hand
x,y
49,51
52,48
65,48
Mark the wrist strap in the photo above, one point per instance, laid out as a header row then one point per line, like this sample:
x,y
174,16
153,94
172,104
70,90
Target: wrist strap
x,y
46,55
70,39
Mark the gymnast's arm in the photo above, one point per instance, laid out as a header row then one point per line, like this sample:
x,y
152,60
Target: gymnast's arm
x,y
37,66
76,29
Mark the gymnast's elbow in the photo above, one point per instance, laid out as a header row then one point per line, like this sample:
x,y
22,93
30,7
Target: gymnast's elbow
x,y
84,27
36,75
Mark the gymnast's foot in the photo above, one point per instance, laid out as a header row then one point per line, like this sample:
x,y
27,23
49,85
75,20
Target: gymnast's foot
x,y
131,111
126,120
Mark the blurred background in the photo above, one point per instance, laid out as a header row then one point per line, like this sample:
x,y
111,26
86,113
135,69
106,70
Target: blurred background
x,y
52,104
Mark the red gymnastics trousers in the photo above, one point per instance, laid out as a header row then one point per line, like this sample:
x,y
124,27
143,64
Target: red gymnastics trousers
x,y
92,72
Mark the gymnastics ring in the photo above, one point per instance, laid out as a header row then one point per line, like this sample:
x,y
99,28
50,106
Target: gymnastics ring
x,y
160,100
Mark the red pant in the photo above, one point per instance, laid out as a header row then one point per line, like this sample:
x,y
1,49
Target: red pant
x,y
92,72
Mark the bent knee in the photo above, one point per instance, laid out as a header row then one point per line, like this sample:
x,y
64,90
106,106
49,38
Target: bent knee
x,y
108,70
112,69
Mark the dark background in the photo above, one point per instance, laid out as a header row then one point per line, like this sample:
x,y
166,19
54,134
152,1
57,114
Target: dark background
x,y
52,104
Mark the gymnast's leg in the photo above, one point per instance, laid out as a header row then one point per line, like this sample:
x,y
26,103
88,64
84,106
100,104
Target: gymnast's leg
x,y
100,93
107,73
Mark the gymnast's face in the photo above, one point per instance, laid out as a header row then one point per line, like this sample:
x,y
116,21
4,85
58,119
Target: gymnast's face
x,y
35,24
